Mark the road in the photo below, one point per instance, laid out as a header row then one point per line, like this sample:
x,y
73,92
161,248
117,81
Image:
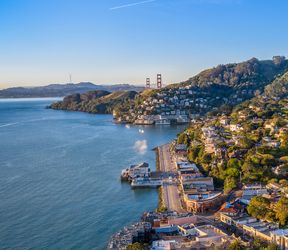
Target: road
x,y
167,165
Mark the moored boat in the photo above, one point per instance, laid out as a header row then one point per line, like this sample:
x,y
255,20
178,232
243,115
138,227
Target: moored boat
x,y
146,183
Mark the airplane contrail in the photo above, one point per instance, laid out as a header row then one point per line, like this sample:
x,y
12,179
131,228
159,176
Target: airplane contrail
x,y
131,4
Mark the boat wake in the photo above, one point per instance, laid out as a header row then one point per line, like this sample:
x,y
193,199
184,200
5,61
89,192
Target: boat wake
x,y
22,122
8,124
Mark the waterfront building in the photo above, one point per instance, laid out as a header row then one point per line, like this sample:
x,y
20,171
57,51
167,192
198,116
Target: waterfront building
x,y
192,183
141,170
162,120
280,238
200,202
198,190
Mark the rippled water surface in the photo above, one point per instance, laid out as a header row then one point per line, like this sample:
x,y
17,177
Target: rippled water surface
x,y
59,181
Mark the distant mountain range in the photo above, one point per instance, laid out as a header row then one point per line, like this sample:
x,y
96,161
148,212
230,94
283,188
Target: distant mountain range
x,y
59,90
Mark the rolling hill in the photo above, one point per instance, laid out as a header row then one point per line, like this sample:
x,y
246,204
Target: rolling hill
x,y
60,90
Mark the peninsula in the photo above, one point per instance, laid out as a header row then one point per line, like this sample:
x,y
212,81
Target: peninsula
x,y
212,91
224,181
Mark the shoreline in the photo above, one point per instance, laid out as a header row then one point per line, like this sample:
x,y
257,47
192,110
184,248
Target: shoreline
x,y
168,198
127,231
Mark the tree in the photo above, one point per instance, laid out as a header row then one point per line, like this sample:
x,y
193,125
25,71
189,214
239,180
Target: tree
x,y
245,142
268,160
182,139
136,246
206,158
226,108
258,244
272,246
235,246
229,184
234,163
259,207
232,172
281,209
283,182
193,153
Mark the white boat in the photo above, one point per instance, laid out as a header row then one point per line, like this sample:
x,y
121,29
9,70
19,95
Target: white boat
x,y
141,131
163,122
146,182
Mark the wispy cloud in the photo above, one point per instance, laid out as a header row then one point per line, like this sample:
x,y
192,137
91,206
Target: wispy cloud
x,y
216,1
131,4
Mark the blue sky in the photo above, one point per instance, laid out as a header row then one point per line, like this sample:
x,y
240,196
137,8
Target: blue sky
x,y
120,41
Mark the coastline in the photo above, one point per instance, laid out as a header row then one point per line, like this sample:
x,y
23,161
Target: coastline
x,y
168,199
127,231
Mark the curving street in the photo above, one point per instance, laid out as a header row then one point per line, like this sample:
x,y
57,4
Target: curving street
x,y
167,165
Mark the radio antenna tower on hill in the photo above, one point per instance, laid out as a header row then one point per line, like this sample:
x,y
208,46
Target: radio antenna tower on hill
x,y
70,78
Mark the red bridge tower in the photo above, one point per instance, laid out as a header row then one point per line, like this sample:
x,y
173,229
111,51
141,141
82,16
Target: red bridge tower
x,y
159,81
148,85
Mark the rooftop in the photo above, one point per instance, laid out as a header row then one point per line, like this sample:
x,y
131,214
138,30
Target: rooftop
x,y
203,196
281,232
162,244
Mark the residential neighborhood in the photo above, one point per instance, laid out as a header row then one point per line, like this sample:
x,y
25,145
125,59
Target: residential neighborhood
x,y
228,174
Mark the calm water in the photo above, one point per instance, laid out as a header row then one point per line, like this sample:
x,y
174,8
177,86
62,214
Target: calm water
x,y
59,179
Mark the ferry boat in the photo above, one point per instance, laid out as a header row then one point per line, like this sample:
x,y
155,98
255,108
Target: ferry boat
x,y
146,182
135,171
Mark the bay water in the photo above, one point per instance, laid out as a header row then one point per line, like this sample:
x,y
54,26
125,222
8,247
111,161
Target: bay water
x,y
60,182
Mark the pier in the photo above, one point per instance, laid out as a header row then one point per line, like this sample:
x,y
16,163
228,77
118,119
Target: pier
x,y
166,176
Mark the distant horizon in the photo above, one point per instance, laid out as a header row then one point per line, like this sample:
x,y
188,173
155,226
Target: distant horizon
x,y
112,41
64,83
142,84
